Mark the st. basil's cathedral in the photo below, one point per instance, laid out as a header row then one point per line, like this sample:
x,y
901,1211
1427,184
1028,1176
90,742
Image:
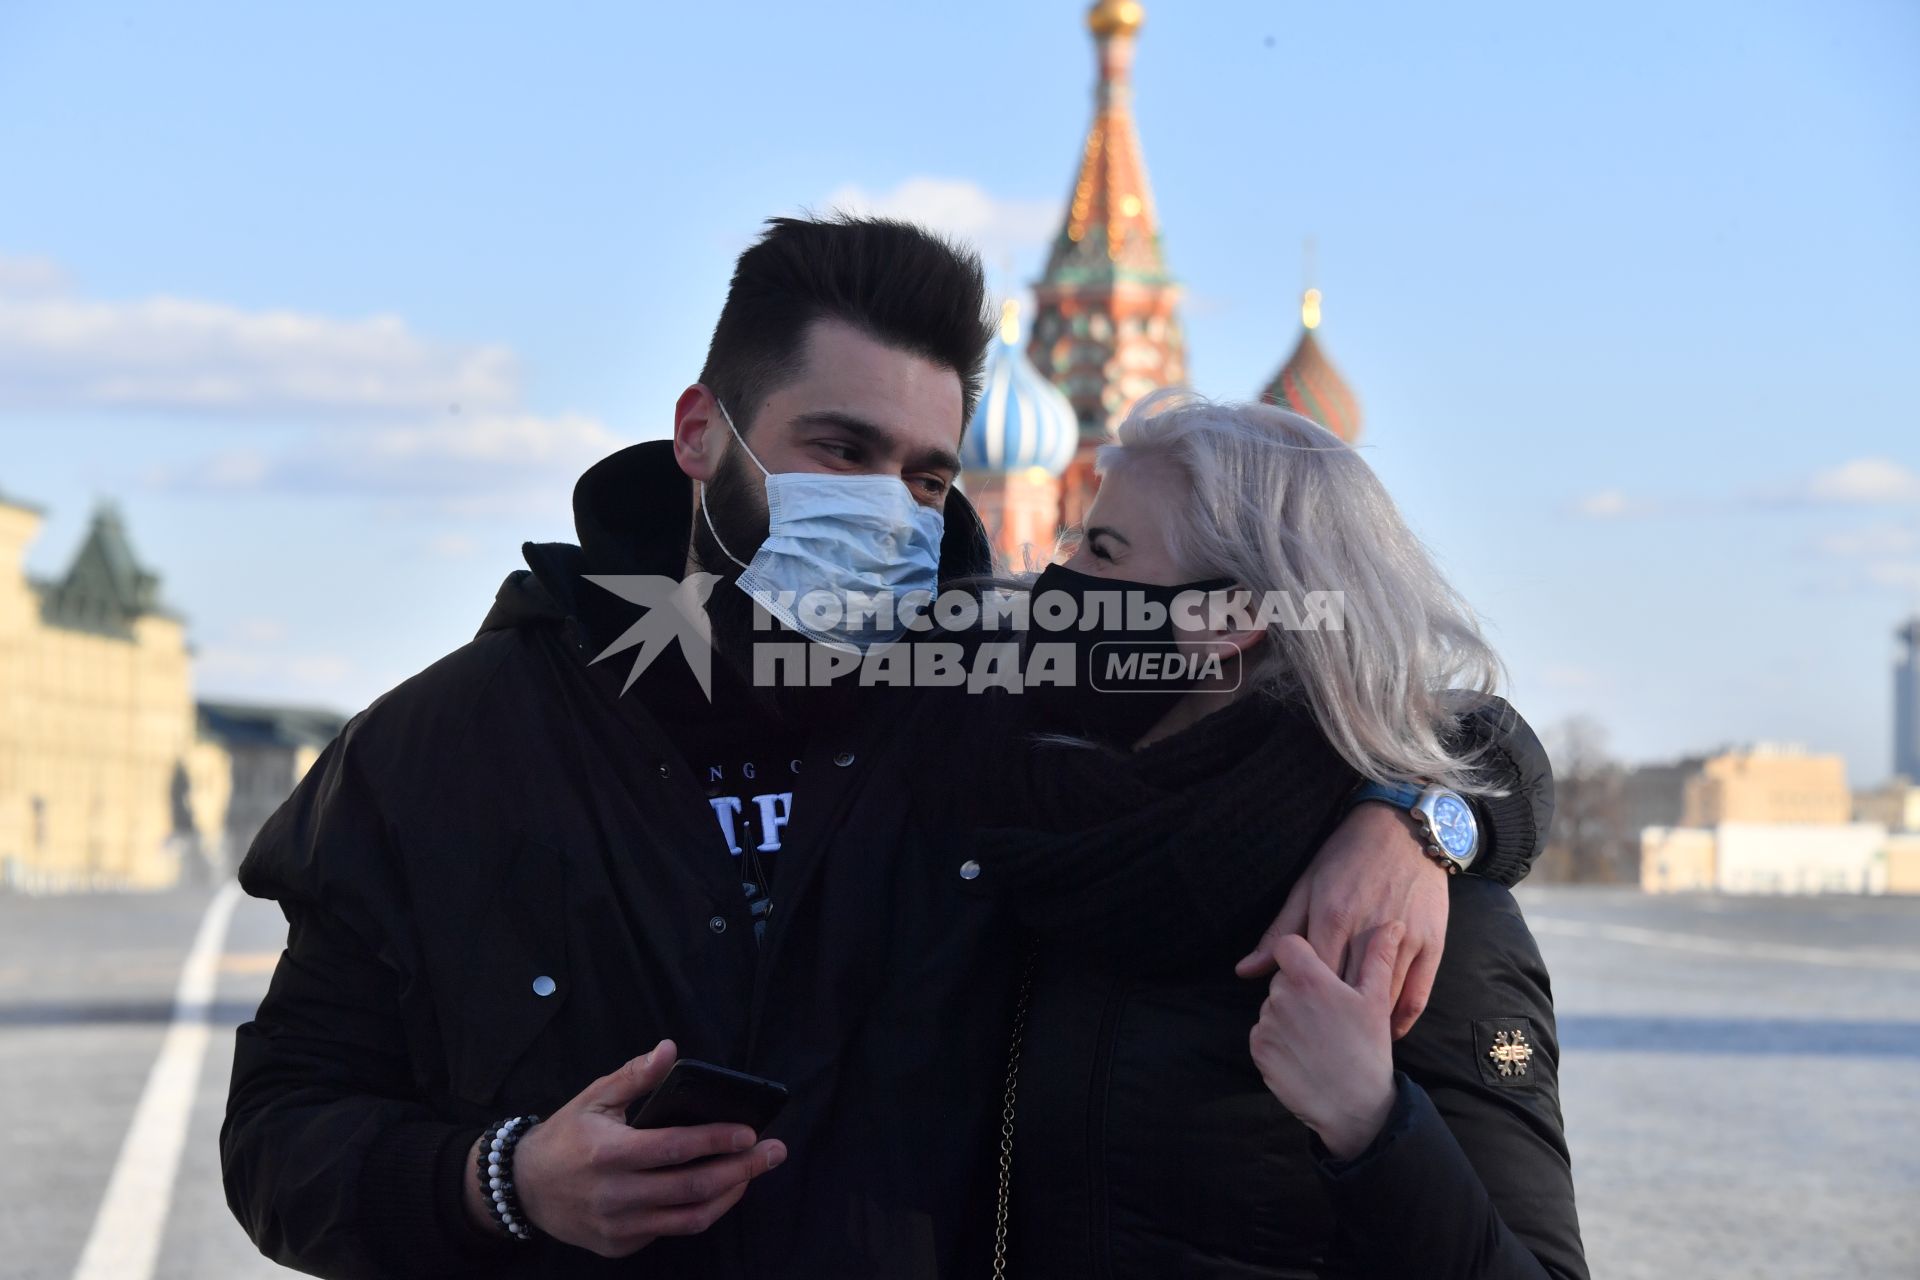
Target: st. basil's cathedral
x,y
1105,331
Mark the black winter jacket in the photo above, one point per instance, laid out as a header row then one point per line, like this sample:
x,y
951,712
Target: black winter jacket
x,y
507,815
1145,1143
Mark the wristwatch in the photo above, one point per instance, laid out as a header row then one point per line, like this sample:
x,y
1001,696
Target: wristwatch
x,y
1445,819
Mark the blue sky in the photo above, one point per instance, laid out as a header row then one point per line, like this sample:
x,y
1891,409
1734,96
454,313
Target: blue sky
x,y
335,301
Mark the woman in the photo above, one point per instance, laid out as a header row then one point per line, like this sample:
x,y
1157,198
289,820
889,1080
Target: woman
x,y
1169,1118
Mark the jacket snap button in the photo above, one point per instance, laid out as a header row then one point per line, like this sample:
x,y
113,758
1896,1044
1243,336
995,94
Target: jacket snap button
x,y
544,986
844,759
969,870
718,924
665,772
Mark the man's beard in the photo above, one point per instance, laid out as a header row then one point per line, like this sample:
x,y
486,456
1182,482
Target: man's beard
x,y
739,515
742,525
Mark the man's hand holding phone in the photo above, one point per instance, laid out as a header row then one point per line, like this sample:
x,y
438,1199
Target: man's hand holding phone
x,y
586,1178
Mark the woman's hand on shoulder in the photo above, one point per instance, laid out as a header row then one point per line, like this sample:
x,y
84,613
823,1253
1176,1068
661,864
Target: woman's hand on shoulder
x,y
1324,1044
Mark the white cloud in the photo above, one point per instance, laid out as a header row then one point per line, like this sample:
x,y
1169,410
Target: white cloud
x,y
1871,558
517,440
260,630
23,275
1607,504
1871,540
61,350
1865,481
463,459
1007,232
1904,576
394,413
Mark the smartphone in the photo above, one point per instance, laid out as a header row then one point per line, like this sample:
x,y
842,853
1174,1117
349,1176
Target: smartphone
x,y
696,1092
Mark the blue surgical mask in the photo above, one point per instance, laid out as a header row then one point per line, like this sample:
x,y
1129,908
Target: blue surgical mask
x,y
854,539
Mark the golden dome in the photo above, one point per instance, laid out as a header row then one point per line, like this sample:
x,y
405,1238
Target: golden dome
x,y
1116,17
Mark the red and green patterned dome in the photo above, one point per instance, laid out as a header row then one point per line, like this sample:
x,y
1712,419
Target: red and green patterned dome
x,y
1308,383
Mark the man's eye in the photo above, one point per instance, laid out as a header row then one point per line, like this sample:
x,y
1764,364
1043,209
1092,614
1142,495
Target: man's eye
x,y
932,486
844,452
1100,552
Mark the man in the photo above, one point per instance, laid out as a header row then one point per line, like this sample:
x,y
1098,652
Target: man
x,y
513,874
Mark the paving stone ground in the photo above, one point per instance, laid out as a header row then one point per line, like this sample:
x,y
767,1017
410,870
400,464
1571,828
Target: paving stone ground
x,y
1742,1078
1732,1114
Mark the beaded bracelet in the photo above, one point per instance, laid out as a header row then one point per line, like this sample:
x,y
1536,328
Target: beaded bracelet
x,y
496,1175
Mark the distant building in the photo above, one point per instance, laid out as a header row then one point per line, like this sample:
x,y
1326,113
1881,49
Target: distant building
x,y
110,777
249,760
1021,439
1677,860
1894,804
96,716
1106,330
1771,857
1655,795
1768,783
1906,701
1106,325
1767,819
1903,862
1308,383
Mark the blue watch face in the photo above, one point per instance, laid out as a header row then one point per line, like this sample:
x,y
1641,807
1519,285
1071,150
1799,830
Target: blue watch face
x,y
1453,825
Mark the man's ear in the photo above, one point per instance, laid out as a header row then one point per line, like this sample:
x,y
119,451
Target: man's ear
x,y
700,434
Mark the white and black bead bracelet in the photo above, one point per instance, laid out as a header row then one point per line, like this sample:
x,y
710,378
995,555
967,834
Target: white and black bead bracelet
x,y
496,1174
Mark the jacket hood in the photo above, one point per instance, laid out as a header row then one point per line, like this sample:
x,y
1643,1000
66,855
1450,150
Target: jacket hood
x,y
633,512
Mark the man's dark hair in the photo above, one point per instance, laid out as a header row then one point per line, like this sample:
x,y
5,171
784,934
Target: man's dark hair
x,y
898,283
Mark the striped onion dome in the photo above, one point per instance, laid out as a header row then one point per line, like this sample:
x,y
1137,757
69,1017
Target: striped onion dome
x,y
1022,420
1308,383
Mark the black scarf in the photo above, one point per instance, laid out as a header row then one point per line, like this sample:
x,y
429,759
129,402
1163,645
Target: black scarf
x,y
1174,855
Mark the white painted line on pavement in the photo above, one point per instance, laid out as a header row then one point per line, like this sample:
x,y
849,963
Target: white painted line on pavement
x,y
1864,958
124,1243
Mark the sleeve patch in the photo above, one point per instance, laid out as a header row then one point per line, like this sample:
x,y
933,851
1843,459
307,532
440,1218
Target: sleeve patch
x,y
1505,1049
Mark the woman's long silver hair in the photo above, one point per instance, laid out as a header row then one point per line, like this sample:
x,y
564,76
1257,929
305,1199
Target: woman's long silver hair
x,y
1280,504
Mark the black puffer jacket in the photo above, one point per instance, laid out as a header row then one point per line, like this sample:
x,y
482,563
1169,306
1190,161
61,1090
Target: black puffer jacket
x,y
508,815
1145,1143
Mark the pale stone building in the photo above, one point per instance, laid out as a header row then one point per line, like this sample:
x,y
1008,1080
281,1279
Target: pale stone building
x,y
1676,860
1903,862
1779,857
110,776
1778,819
1768,783
96,716
1895,803
253,757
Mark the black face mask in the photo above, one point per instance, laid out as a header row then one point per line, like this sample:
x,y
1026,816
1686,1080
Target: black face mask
x,y
1122,686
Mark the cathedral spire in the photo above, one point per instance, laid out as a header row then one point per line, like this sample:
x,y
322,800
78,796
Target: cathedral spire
x,y
1104,328
1112,205
1309,384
